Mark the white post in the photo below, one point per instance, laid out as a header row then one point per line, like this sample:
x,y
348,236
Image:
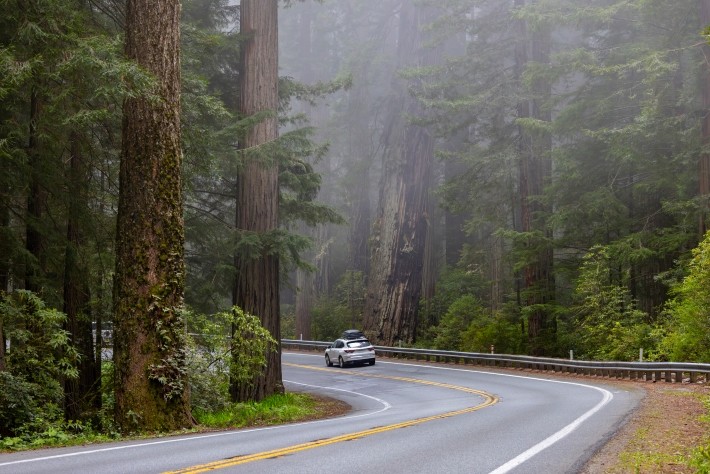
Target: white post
x,y
301,337
571,354
641,355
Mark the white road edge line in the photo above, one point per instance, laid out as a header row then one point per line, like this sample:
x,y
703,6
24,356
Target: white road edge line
x,y
549,441
385,406
546,443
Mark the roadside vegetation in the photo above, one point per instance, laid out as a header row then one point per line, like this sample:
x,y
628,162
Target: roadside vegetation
x,y
31,395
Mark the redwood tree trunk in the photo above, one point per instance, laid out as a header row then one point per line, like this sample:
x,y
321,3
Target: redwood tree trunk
x,y
535,171
36,203
4,246
151,386
257,283
400,228
81,395
304,303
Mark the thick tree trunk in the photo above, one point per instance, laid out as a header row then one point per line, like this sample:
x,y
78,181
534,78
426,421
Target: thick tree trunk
x,y
257,284
704,161
82,395
400,228
359,215
151,386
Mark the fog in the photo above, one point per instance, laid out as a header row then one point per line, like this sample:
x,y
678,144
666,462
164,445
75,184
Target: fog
x,y
493,140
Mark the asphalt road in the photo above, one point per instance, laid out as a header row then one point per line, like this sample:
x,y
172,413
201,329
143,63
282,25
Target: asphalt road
x,y
406,418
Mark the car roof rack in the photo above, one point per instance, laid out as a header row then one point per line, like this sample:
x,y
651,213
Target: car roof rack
x,y
353,334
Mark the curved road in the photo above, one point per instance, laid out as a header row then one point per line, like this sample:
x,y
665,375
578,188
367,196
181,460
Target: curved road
x,y
406,418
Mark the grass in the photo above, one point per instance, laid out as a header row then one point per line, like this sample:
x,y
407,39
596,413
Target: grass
x,y
662,448
274,410
700,459
64,434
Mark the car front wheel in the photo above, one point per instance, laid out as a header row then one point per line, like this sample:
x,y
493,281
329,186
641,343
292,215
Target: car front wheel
x,y
328,362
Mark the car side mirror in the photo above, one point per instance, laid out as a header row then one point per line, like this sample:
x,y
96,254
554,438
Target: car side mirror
x,y
330,346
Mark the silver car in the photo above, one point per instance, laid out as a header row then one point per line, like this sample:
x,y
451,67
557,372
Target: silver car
x,y
350,351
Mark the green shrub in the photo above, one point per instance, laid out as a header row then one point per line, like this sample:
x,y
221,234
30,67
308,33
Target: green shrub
x,y
607,325
453,283
214,356
17,403
497,331
449,332
687,336
39,357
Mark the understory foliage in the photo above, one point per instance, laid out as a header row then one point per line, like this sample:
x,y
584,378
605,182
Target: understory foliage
x,y
687,336
341,310
250,345
608,326
39,357
223,345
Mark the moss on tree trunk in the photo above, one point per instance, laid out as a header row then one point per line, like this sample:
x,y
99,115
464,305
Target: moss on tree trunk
x,y
151,385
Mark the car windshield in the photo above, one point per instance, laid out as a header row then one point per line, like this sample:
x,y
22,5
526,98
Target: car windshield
x,y
356,344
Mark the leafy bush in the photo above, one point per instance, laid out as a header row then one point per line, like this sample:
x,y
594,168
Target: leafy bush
x,y
607,324
469,326
687,336
497,331
214,356
38,358
461,312
250,344
208,359
17,403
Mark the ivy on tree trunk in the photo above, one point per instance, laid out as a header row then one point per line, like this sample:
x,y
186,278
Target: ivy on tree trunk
x,y
149,353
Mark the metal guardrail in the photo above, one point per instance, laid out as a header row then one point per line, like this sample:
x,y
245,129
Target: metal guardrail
x,y
672,372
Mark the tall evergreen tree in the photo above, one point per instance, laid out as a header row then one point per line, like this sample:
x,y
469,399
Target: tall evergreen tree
x,y
534,173
400,227
149,357
704,160
257,260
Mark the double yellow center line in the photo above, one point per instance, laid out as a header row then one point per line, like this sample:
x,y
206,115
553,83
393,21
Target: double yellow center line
x,y
488,400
